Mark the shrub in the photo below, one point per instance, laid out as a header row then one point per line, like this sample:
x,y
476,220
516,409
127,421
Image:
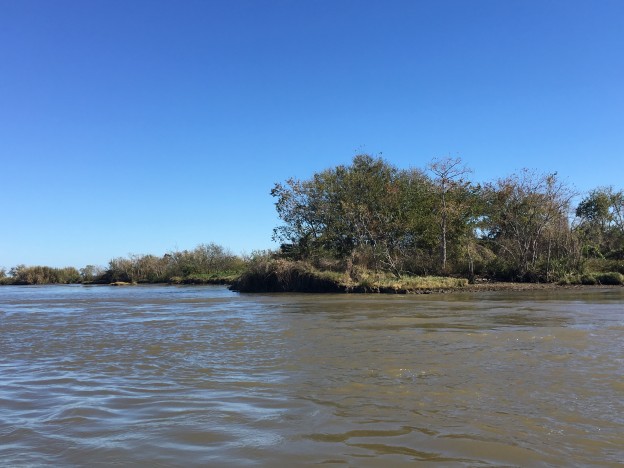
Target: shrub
x,y
614,265
570,278
588,279
610,278
280,275
22,274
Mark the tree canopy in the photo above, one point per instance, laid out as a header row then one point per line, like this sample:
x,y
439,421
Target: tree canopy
x,y
374,215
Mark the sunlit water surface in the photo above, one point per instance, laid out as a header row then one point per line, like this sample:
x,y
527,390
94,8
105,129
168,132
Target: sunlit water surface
x,y
190,376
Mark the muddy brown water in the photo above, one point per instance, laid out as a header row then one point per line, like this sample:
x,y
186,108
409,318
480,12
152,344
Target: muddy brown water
x,y
201,376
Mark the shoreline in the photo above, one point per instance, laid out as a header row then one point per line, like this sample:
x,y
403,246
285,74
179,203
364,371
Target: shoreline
x,y
335,288
509,286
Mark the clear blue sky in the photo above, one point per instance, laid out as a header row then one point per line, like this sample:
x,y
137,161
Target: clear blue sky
x,y
145,126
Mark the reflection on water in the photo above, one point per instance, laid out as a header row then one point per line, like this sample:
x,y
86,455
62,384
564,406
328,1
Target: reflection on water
x,y
176,376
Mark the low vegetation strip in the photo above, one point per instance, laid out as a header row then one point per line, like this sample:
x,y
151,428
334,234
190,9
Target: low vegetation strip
x,y
279,275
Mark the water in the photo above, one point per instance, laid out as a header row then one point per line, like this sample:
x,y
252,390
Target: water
x,y
201,376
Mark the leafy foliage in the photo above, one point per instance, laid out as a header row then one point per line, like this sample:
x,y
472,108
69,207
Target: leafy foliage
x,y
526,224
368,213
372,215
207,263
22,274
601,223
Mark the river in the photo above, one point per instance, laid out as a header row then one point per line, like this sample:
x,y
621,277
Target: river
x,y
202,376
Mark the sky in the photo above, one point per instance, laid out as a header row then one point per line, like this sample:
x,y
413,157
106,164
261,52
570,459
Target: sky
x,y
146,126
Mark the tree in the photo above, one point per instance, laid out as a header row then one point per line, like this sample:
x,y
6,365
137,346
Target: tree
x,y
91,273
299,205
601,223
527,222
363,207
367,213
453,195
340,210
120,269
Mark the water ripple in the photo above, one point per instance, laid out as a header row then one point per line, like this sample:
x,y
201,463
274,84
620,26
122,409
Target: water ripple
x,y
177,376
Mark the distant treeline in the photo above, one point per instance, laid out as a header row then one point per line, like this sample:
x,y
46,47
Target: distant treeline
x,y
370,217
207,263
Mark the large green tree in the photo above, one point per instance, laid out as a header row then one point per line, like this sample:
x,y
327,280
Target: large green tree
x,y
601,223
368,213
339,210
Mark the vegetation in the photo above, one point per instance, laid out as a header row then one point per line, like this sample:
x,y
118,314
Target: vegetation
x,y
269,273
372,216
22,274
206,264
370,226
600,227
525,224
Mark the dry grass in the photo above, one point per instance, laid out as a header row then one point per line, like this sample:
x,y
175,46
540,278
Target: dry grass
x,y
385,282
287,275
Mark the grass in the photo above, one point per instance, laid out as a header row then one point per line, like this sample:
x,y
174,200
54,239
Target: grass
x,y
385,282
609,278
273,275
219,277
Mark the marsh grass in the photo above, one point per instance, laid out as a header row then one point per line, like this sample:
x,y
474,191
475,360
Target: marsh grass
x,y
217,277
272,275
609,278
386,282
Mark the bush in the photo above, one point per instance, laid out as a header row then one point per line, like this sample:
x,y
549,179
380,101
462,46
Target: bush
x,y
610,278
604,265
614,265
23,275
279,275
501,270
570,278
588,279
